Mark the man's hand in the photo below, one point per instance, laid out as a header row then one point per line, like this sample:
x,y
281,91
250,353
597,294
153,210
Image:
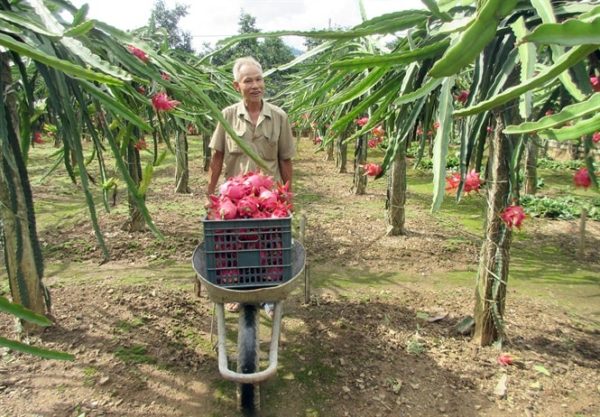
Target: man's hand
x,y
285,168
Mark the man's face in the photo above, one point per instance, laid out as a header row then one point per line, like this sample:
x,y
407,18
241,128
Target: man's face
x,y
251,84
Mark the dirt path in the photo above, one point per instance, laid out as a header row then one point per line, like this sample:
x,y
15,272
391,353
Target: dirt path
x,y
387,347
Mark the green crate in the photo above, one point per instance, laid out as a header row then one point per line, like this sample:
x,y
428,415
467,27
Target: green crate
x,y
248,253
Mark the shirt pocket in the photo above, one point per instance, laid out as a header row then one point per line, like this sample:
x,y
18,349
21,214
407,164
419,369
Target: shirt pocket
x,y
232,146
270,147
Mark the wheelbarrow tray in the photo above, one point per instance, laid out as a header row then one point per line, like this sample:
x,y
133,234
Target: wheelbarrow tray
x,y
220,294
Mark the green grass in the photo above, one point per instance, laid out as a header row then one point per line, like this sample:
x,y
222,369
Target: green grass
x,y
468,214
549,277
135,354
127,326
547,271
224,393
63,205
340,280
170,274
90,374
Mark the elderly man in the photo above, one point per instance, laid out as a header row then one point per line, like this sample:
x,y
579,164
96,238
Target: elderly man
x,y
264,126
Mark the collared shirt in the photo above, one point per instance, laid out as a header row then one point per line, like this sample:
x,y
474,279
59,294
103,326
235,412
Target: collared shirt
x,y
271,138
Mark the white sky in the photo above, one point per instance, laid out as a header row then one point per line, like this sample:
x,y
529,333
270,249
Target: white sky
x,y
211,20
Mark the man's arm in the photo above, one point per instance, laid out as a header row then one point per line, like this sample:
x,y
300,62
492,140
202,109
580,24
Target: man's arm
x,y
285,168
214,171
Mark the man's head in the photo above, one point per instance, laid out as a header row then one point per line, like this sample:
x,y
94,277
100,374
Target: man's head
x,y
248,79
244,61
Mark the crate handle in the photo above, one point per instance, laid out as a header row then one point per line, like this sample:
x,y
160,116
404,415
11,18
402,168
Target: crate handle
x,y
248,238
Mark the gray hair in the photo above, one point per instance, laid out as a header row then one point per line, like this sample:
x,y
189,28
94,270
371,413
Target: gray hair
x,y
240,62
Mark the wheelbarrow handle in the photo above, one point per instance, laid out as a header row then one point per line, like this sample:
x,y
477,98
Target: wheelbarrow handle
x,y
255,377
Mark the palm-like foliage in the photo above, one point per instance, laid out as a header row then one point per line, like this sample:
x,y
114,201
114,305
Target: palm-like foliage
x,y
453,44
86,70
85,76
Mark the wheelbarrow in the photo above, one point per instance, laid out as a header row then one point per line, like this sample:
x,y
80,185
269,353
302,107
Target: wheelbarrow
x,y
248,375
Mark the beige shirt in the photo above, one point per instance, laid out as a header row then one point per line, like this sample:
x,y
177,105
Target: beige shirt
x,y
271,138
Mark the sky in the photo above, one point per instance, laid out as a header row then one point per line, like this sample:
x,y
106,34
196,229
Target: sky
x,y
210,20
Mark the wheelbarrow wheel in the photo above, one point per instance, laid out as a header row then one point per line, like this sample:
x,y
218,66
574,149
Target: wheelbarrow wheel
x,y
248,357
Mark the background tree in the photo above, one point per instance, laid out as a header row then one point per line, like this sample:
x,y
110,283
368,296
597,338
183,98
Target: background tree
x,y
167,20
246,47
270,52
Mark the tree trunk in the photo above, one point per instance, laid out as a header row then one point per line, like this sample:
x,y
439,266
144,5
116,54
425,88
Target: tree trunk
x,y
136,222
182,170
396,194
342,151
531,168
298,136
329,154
359,186
22,252
206,151
574,149
544,149
490,291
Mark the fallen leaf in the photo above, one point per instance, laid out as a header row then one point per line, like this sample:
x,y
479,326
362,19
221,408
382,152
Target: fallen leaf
x,y
465,326
537,385
541,370
500,390
422,315
440,316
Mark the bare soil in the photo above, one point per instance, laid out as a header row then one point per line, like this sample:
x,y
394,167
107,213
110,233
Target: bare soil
x,y
389,348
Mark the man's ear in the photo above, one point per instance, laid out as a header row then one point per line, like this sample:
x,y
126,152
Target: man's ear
x,y
236,86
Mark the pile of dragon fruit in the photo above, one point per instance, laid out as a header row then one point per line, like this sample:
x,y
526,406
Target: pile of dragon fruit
x,y
250,196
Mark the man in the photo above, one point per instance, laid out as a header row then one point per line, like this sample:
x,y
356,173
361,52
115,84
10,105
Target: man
x,y
264,126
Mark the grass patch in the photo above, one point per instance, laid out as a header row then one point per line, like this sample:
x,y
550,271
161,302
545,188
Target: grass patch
x,y
224,392
293,371
192,337
169,274
135,354
127,326
90,374
550,277
339,280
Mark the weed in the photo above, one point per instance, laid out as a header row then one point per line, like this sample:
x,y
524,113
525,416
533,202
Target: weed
x,y
414,345
89,376
134,354
224,391
126,326
566,208
311,412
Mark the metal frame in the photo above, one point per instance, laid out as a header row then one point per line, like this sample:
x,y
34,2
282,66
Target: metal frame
x,y
276,294
270,371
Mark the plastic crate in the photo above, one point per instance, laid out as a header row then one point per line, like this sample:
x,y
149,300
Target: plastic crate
x,y
248,253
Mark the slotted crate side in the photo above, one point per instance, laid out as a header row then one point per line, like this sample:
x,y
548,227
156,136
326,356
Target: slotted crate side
x,y
248,252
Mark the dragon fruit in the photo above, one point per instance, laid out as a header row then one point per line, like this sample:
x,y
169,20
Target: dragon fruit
x,y
250,196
